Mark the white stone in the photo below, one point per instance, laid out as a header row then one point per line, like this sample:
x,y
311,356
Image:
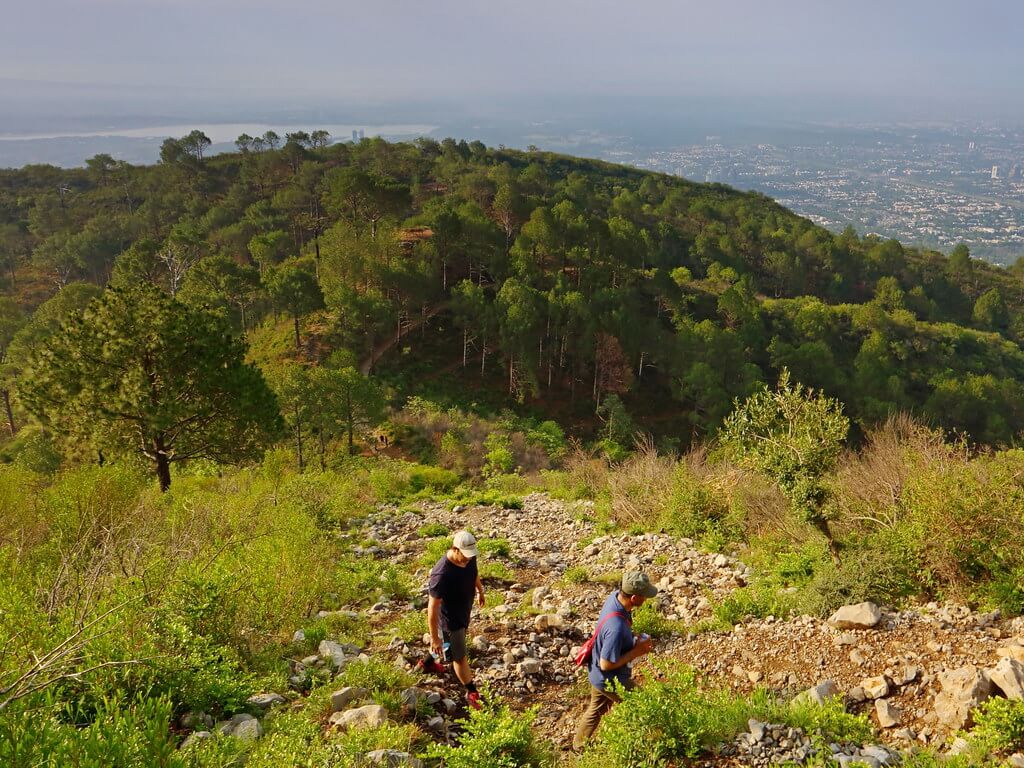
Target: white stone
x,y
859,616
548,621
888,715
341,699
1008,677
963,689
820,693
875,687
369,716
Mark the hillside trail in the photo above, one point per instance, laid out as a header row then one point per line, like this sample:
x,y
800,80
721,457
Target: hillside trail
x,y
380,349
535,619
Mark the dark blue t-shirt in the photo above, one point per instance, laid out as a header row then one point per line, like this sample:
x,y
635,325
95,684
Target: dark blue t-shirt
x,y
454,586
614,640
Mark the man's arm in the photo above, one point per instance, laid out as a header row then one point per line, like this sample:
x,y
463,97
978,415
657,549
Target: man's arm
x,y
641,648
480,589
434,626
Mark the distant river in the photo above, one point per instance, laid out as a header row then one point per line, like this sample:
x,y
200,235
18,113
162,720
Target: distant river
x,y
221,133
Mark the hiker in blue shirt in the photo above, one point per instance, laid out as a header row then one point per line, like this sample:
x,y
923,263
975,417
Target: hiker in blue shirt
x,y
615,648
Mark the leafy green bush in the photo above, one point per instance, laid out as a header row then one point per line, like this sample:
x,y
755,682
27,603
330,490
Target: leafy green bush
x,y
431,479
696,510
549,436
495,737
664,720
671,718
498,456
431,530
576,574
999,726
384,681
648,619
119,734
365,580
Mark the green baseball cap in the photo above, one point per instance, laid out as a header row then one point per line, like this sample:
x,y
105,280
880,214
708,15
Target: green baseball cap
x,y
637,583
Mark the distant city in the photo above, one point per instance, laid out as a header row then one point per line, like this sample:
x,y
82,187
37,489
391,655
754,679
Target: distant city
x,y
926,185
934,187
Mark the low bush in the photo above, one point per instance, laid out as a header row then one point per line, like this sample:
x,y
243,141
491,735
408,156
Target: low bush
x,y
998,726
671,718
495,737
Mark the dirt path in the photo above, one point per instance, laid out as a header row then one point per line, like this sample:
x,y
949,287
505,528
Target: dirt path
x,y
560,568
379,351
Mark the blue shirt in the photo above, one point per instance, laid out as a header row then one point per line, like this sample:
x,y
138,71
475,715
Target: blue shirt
x,y
613,641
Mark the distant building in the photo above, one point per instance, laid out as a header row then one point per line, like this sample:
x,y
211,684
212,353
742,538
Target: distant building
x,y
995,171
971,146
362,135
355,135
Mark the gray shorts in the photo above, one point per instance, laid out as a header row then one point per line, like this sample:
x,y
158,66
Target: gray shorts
x,y
456,644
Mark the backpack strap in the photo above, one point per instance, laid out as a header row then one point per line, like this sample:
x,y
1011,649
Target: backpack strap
x,y
600,624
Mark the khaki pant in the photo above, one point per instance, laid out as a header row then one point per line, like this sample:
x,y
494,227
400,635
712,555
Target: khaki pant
x,y
600,702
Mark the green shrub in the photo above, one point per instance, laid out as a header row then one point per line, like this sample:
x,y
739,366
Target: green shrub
x,y
829,721
495,737
32,449
384,681
549,436
576,574
999,726
648,619
118,734
665,720
498,456
670,718
432,479
697,510
365,580
431,530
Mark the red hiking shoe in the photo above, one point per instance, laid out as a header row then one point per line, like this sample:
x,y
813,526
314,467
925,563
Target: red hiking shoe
x,y
473,698
430,666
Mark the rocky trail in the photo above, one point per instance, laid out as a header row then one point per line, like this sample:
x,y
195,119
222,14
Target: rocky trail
x,y
918,673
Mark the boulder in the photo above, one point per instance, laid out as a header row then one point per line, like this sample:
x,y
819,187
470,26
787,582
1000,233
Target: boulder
x,y
242,726
369,716
875,687
1008,677
1011,651
888,715
962,691
196,738
548,621
333,652
265,701
530,666
859,616
248,730
820,693
341,699
408,700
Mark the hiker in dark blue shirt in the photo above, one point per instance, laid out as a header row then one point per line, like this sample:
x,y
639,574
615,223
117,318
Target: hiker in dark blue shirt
x,y
453,583
615,648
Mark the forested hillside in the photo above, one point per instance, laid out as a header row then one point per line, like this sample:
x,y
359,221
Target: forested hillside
x,y
595,294
249,398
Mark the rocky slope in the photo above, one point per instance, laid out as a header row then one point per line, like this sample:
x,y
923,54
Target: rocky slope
x,y
918,673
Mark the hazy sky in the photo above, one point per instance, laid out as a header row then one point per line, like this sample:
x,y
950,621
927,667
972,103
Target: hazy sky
x,y
933,54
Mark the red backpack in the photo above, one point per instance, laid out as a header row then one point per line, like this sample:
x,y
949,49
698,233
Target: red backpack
x,y
583,657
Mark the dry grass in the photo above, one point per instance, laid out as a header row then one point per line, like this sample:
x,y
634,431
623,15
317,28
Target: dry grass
x,y
870,483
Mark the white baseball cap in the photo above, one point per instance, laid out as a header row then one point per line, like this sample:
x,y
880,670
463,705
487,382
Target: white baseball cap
x,y
465,542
